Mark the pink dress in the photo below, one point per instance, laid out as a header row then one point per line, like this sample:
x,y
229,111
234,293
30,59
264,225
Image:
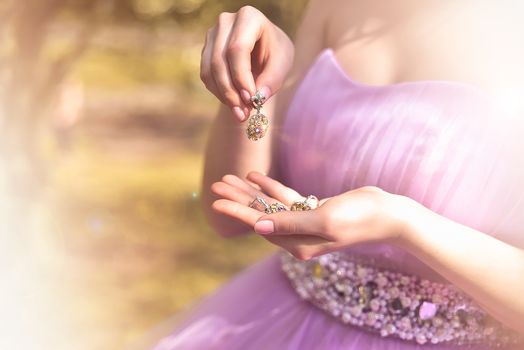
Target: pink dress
x,y
445,144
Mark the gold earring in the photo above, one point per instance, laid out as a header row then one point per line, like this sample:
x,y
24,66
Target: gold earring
x,y
258,122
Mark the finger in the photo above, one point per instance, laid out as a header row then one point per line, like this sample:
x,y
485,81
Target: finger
x,y
289,223
238,195
237,211
245,186
232,193
276,66
244,34
220,68
274,188
254,185
205,63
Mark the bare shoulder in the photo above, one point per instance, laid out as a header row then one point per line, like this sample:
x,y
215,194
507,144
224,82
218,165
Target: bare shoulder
x,y
383,42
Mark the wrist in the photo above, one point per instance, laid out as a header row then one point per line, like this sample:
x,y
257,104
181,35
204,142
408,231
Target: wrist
x,y
407,213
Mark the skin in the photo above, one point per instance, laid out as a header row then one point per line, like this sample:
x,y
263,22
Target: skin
x,y
376,43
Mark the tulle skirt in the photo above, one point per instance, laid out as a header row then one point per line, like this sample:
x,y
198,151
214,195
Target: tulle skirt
x,y
259,309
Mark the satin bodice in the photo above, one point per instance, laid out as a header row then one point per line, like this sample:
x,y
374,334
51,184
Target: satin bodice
x,y
447,145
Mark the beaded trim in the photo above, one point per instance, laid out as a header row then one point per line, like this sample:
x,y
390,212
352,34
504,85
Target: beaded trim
x,y
391,303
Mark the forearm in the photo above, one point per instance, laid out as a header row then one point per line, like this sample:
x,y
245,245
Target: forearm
x,y
487,269
229,151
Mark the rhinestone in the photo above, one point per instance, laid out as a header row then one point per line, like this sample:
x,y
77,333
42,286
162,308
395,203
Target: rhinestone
x,y
374,304
437,321
381,281
427,310
394,292
356,311
437,299
396,305
371,318
340,287
323,259
405,323
361,272
406,302
317,270
421,338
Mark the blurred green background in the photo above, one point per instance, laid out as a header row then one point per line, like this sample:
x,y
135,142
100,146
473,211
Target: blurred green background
x,y
104,120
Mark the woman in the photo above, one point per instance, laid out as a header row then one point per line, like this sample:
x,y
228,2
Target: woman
x,y
391,114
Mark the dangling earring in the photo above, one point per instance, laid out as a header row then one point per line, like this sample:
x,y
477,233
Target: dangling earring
x,y
258,122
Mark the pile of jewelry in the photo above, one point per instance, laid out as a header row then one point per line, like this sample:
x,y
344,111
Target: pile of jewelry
x,y
308,203
390,303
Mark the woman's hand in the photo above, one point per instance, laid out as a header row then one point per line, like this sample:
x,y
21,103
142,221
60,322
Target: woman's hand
x,y
370,214
244,52
361,215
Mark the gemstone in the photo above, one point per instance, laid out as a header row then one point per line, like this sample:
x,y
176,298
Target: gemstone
x,y
462,315
381,281
414,304
404,280
391,328
364,295
317,270
371,318
396,305
323,259
361,272
394,292
437,299
421,339
437,321
356,311
374,304
371,286
405,323
427,310
406,302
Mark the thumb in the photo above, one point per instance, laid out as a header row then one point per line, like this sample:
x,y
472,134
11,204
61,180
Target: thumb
x,y
271,78
289,223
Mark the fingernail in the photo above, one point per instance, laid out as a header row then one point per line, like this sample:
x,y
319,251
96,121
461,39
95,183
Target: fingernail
x,y
264,227
245,96
266,91
239,114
